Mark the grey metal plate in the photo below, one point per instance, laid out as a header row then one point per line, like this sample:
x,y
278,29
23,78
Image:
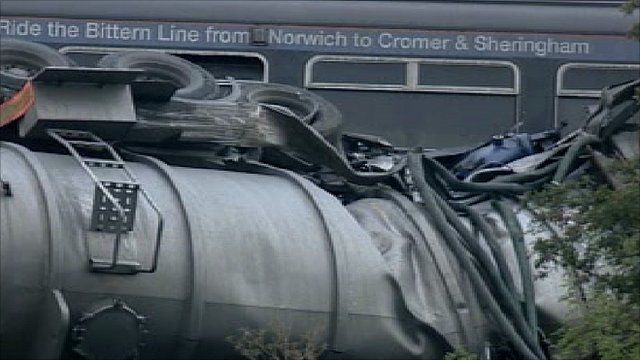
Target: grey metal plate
x,y
88,75
105,217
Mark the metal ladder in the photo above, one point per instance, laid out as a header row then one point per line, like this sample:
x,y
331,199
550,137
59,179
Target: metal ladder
x,y
114,202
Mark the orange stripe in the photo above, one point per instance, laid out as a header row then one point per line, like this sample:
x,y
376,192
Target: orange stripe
x,y
18,105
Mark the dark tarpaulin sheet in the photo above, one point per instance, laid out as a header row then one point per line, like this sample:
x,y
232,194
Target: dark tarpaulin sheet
x,y
433,287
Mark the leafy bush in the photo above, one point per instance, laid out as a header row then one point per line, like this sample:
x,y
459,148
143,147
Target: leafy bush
x,y
460,354
629,7
277,344
598,245
606,329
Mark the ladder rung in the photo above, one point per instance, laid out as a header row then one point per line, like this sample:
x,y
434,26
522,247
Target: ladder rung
x,y
103,163
73,133
121,266
120,184
94,144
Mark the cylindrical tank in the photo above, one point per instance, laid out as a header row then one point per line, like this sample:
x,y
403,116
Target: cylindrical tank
x,y
239,250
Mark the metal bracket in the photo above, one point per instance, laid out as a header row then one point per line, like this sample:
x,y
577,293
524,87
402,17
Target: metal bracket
x,y
115,202
6,188
91,99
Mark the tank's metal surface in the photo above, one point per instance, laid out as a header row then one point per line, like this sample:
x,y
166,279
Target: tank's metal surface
x,y
239,250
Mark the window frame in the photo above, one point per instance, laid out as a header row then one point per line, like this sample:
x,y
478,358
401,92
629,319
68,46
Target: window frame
x,y
561,92
109,49
412,75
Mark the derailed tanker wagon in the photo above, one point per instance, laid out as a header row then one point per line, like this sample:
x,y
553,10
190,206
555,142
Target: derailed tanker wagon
x,y
240,247
196,218
149,214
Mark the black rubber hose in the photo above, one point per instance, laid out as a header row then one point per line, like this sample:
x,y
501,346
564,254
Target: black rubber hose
x,y
529,175
469,240
479,222
458,185
534,185
504,295
471,200
436,184
620,117
517,236
435,213
612,111
572,155
530,180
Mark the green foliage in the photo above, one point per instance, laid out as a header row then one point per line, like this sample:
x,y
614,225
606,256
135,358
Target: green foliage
x,y
460,354
628,8
599,231
606,326
598,245
277,344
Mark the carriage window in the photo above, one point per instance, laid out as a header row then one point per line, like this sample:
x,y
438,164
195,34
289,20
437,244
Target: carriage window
x,y
587,80
412,74
579,85
417,101
239,65
342,72
470,75
224,65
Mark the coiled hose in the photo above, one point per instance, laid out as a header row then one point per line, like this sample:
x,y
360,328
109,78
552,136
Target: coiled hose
x,y
524,335
532,175
524,343
517,237
481,224
572,154
503,294
526,326
458,185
